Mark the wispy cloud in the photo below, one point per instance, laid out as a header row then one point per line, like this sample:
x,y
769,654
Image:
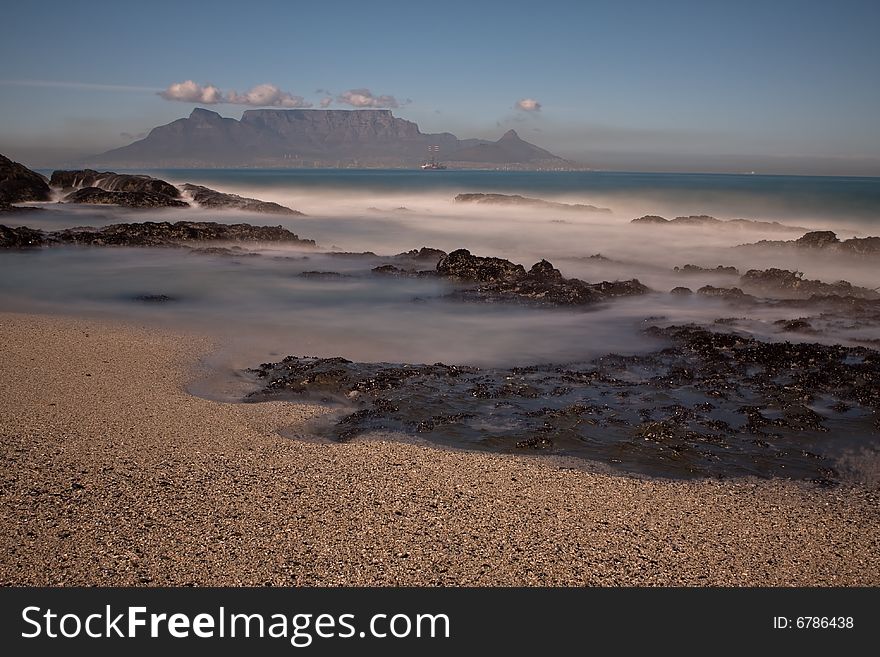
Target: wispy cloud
x,y
86,86
262,95
365,98
527,105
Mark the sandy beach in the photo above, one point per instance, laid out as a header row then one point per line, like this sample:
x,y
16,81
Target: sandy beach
x,y
114,475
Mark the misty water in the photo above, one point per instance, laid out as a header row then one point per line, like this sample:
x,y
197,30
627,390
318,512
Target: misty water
x,y
259,307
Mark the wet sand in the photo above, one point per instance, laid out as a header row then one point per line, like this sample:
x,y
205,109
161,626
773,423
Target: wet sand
x,y
112,474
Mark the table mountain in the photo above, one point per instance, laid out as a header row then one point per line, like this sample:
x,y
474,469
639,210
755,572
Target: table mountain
x,y
316,138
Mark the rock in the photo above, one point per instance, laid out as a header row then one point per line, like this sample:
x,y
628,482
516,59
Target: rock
x,y
800,325
825,241
461,264
790,284
726,293
694,269
544,271
20,238
503,281
389,270
818,239
516,199
19,184
210,198
112,182
96,195
324,275
681,291
706,220
650,219
424,254
150,233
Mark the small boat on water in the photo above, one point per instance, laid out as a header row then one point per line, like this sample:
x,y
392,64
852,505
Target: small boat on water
x,y
433,164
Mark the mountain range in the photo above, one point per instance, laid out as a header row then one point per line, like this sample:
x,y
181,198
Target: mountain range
x,y
318,138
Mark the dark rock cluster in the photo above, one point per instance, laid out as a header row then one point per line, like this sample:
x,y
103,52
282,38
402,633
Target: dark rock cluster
x,y
706,220
824,241
499,280
707,403
149,233
790,284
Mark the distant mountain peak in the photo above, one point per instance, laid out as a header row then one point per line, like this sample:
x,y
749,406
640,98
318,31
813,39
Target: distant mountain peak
x,y
202,114
510,135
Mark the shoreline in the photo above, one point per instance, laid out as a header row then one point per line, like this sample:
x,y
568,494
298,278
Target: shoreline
x,y
114,475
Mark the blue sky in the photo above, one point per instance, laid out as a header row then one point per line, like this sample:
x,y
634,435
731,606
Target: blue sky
x,y
630,85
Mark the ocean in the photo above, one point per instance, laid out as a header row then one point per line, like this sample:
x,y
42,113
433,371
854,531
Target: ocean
x,y
275,301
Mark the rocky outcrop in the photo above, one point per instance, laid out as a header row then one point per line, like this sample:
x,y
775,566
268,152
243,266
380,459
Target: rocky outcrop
x,y
792,285
19,184
20,238
112,182
461,264
98,196
500,280
151,233
210,198
823,241
525,201
706,220
696,269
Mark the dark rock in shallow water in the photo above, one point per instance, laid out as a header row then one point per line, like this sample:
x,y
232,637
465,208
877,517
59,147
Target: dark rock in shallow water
x,y
790,284
823,241
706,404
726,293
794,325
694,269
425,254
126,199
324,275
706,220
818,239
151,233
112,182
19,184
210,198
503,281
465,266
20,238
681,291
516,199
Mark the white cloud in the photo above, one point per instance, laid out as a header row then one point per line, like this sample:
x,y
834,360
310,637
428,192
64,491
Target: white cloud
x,y
191,92
326,102
262,95
365,98
266,95
528,105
